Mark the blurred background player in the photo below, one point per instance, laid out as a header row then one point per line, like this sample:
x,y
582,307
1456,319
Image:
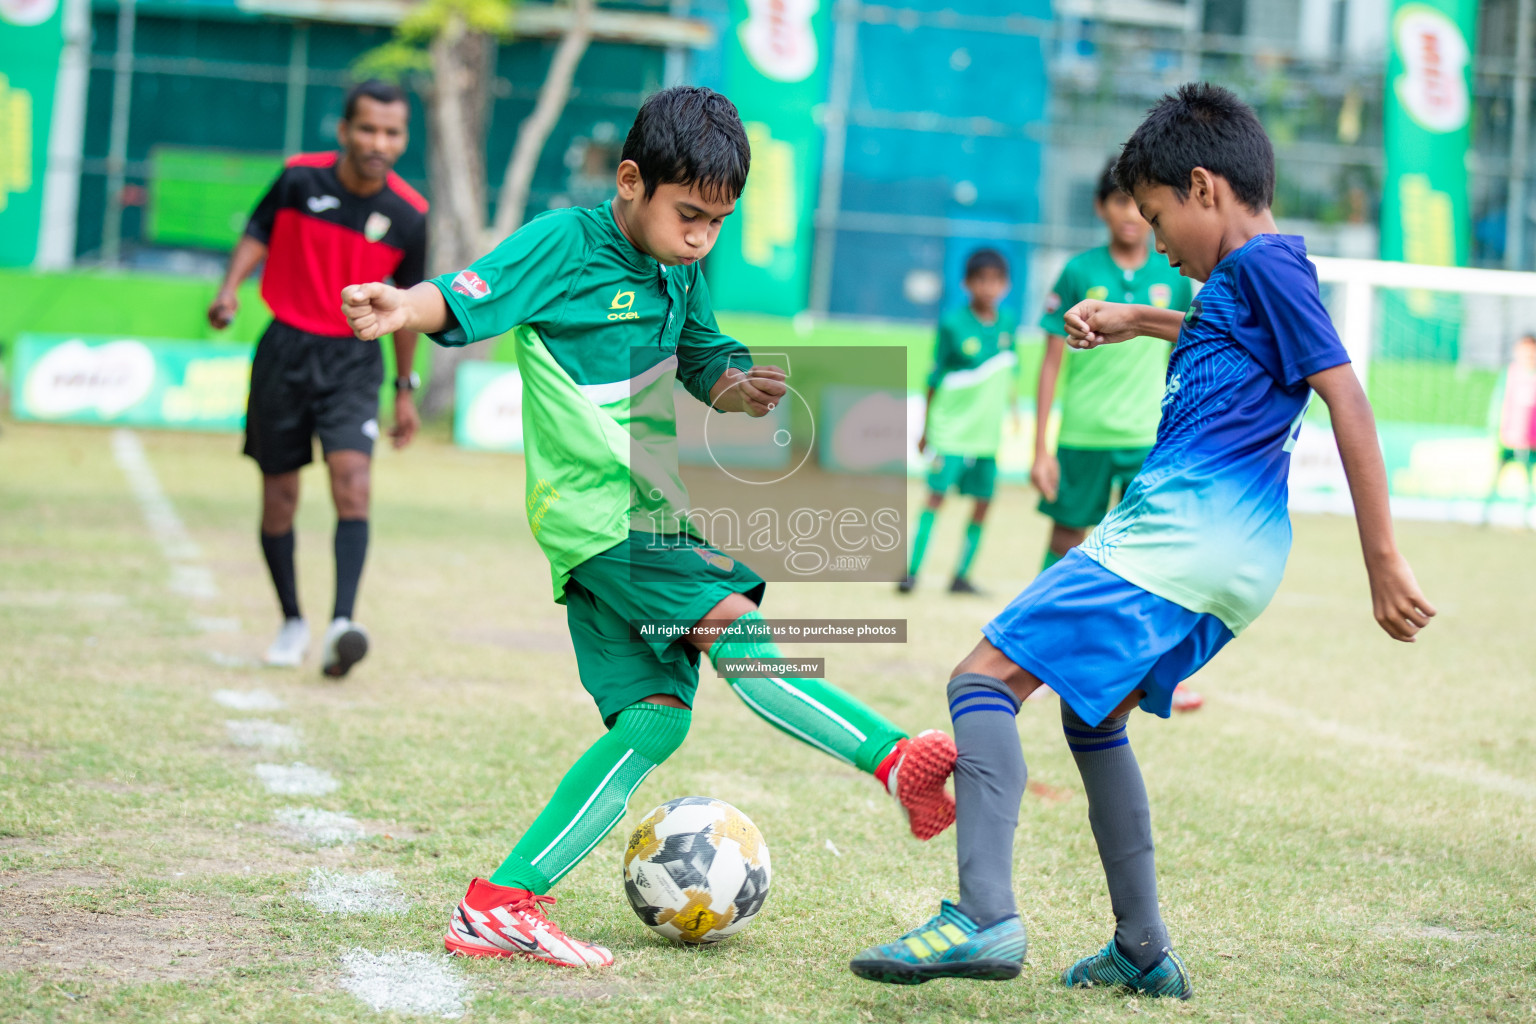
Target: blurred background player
x,y
330,219
974,383
1114,394
1515,406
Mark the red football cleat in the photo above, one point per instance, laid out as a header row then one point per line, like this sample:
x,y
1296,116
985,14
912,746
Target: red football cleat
x,y
914,773
495,920
1185,699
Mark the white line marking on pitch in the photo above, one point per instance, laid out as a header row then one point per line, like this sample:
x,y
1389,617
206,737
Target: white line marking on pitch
x,y
212,624
372,892
1466,772
258,732
297,779
231,660
247,700
418,983
323,828
188,576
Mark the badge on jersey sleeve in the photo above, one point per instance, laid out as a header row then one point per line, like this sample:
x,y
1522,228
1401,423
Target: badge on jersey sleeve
x,y
468,283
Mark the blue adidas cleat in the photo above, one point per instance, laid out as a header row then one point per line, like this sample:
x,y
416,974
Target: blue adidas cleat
x,y
1109,966
949,945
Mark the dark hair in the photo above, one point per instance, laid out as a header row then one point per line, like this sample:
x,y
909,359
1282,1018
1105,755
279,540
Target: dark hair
x,y
374,89
1202,125
1108,186
692,137
985,259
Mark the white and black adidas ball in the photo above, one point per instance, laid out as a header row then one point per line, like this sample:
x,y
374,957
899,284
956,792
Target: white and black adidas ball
x,y
696,870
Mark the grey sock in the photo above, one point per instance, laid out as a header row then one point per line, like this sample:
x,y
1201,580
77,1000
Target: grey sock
x,y
989,783
1122,828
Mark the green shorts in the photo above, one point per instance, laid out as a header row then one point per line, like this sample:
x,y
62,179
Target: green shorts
x,y
973,475
1092,481
626,606
1524,456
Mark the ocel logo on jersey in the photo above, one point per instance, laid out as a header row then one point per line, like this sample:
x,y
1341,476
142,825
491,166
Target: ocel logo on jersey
x,y
1161,296
970,346
1098,293
468,283
622,301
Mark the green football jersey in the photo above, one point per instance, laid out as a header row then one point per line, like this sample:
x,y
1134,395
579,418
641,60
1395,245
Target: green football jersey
x,y
974,371
1114,393
602,332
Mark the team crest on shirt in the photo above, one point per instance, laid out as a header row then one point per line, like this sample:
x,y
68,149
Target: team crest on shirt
x,y
1161,296
1192,314
375,227
468,283
970,346
1097,293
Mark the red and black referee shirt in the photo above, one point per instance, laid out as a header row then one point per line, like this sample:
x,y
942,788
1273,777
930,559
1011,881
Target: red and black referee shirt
x,y
321,238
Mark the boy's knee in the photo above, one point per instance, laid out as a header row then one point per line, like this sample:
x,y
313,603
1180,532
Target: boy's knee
x,y
1071,720
654,731
973,691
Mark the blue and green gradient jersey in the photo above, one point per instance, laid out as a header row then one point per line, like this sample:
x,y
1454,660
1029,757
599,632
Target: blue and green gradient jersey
x,y
1205,522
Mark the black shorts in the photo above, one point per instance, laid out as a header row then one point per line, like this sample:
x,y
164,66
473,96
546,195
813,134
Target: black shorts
x,y
306,384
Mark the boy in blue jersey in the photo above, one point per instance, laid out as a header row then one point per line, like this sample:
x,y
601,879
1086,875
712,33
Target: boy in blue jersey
x,y
1189,558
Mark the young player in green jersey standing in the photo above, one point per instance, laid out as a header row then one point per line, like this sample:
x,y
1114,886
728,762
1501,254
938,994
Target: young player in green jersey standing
x,y
972,386
608,309
1114,395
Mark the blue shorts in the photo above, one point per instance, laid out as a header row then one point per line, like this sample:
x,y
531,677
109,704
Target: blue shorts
x,y
1093,638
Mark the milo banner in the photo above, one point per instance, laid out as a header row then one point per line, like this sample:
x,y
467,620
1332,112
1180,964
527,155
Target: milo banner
x,y
1425,216
184,385
31,40
775,57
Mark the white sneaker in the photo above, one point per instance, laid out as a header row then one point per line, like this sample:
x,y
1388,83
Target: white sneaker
x,y
346,644
292,643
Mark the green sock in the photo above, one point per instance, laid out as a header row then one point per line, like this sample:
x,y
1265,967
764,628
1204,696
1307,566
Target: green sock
x,y
592,797
808,709
968,552
1051,558
920,541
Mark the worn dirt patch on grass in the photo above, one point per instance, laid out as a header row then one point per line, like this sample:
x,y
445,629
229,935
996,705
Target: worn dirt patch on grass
x,y
180,938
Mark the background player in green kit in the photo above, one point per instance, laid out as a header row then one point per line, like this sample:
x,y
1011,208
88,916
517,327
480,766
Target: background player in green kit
x,y
608,309
1114,394
972,386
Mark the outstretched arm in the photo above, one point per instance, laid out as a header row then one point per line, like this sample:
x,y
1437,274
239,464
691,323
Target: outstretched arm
x,y
374,310
1400,606
1045,472
1094,322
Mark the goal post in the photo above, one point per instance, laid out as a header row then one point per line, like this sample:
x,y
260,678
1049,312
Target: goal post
x,y
1430,345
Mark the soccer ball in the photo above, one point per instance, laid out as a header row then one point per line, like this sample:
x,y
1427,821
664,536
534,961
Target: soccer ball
x,y
696,870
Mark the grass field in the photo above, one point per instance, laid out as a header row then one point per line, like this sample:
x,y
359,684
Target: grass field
x,y
1346,830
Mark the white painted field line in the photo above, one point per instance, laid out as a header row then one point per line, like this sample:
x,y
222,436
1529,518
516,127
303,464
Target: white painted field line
x,y
259,732
419,983
1466,772
323,828
247,700
372,892
297,779
189,577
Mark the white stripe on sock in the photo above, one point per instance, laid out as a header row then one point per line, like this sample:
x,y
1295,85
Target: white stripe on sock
x,y
595,793
749,702
783,685
603,834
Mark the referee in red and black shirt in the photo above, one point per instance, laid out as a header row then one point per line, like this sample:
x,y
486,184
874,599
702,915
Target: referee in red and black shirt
x,y
330,219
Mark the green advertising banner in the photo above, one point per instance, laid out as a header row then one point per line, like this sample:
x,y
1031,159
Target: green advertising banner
x,y
31,41
776,58
183,385
1425,208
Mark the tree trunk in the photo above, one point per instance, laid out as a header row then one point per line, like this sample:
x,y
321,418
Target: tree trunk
x,y
512,203
463,63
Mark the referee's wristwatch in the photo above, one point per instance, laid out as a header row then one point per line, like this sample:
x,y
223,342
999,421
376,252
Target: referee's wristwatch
x,y
409,382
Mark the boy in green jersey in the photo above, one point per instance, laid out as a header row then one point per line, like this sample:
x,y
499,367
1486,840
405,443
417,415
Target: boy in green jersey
x,y
972,386
1114,395
607,308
